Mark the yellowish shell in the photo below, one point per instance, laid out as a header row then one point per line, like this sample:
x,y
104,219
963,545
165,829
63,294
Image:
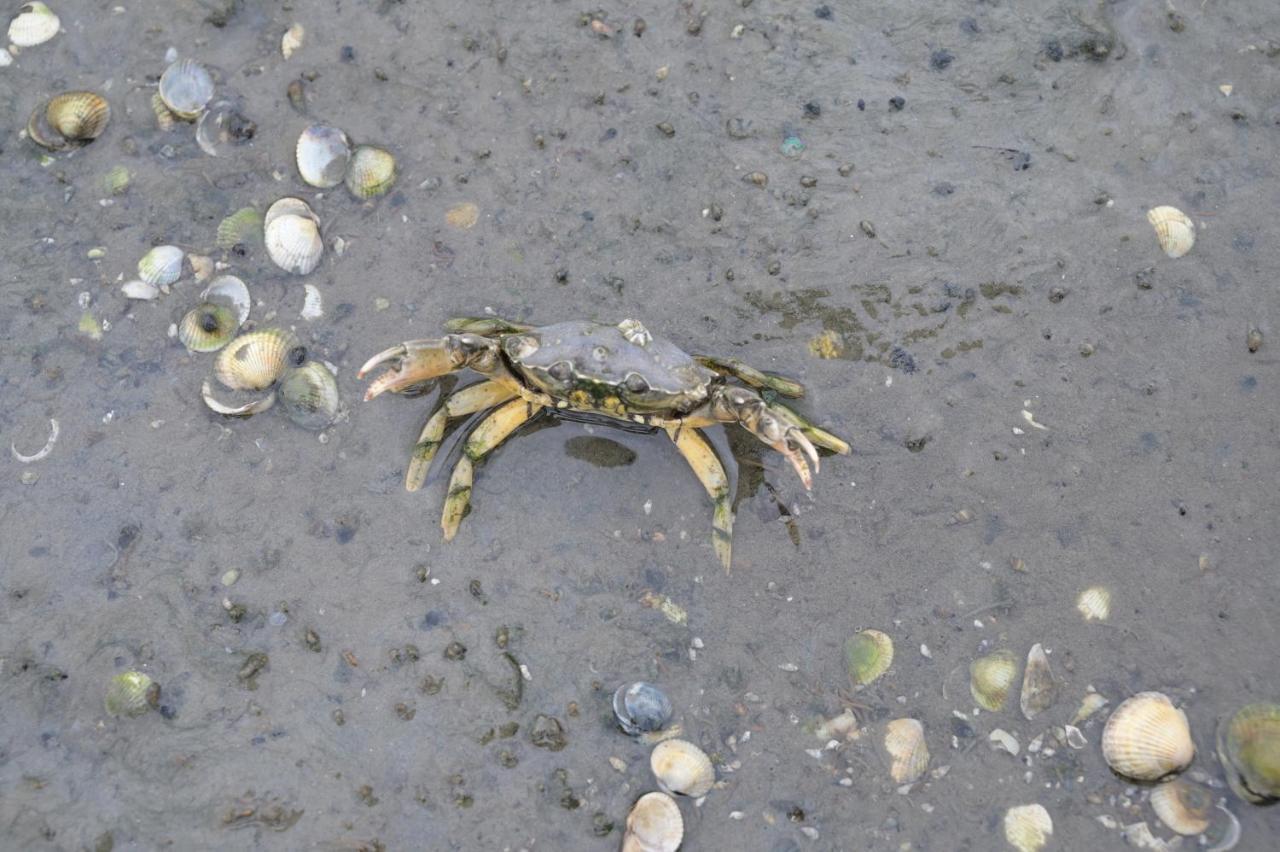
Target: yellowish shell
x,y
131,694
682,768
116,180
1094,603
654,825
254,361
1090,704
165,119
868,654
991,677
371,172
1249,748
294,243
185,87
241,227
41,132
908,753
208,327
1174,229
34,24
1028,828
462,216
79,116
1184,806
1147,738
1038,687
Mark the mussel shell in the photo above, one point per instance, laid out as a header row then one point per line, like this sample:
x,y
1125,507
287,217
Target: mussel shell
x,y
654,825
230,291
161,265
35,23
185,87
322,155
131,694
371,172
682,768
222,127
78,116
254,361
208,327
1249,748
640,708
294,243
309,395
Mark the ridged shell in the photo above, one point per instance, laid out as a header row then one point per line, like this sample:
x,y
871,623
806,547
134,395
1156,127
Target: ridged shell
x,y
309,395
1094,603
240,228
908,753
165,119
312,303
371,172
294,243
116,181
162,265
185,87
254,361
248,409
1174,229
641,708
1147,738
230,291
1027,828
1184,806
208,327
991,677
868,654
34,24
1038,686
131,694
682,768
289,206
322,155
654,825
1249,748
41,132
78,116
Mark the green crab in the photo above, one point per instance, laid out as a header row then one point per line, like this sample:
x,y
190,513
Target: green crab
x,y
589,370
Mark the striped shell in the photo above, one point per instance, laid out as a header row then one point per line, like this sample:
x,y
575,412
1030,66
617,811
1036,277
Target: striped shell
x,y
991,677
654,825
682,768
868,654
185,87
294,243
1094,603
371,172
208,327
78,116
1174,230
908,753
34,24
1147,738
309,395
322,155
131,694
289,206
239,228
254,361
1184,806
165,119
1027,828
162,265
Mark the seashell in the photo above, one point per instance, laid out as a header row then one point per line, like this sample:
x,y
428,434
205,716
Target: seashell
x,y
309,395
165,119
292,40
139,290
116,181
654,825
222,127
294,243
254,361
682,768
1147,738
208,327
312,303
371,171
41,132
78,116
230,291
867,655
289,206
1027,828
322,155
908,754
1090,704
1184,806
249,409
131,694
34,24
185,87
1038,687
1249,748
640,708
1174,229
462,216
161,266
991,677
202,266
1094,603
239,228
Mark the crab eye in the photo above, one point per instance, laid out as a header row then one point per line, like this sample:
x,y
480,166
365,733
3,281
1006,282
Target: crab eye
x,y
561,371
635,383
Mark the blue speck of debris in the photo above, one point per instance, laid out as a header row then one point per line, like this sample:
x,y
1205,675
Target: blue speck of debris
x,y
792,146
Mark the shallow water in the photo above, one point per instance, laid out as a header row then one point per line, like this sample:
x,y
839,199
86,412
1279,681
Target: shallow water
x,y
1011,269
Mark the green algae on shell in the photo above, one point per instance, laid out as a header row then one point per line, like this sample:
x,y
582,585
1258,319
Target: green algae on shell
x,y
991,678
131,693
868,654
309,395
1249,748
208,327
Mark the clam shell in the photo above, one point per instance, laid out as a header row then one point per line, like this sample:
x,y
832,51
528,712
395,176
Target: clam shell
x,y
991,677
1094,604
185,87
1027,828
289,206
868,654
230,291
682,768
78,116
165,119
641,708
1184,806
1038,686
322,155
908,753
161,266
1147,738
34,24
208,327
1174,230
309,395
241,227
294,243
222,127
254,361
1249,748
131,694
249,409
41,132
371,172
654,825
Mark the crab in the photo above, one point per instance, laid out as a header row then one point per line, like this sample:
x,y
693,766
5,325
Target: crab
x,y
619,374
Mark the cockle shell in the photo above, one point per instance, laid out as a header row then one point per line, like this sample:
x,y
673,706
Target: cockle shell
x,y
230,291
682,768
322,155
908,754
208,327
640,708
1185,806
161,266
654,825
991,677
254,361
1249,748
289,206
34,24
1038,686
1027,828
1094,603
309,395
1147,738
78,116
248,409
185,87
868,654
131,694
294,243
371,172
165,119
1174,229
239,228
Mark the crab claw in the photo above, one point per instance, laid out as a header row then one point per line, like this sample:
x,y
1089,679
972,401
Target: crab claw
x,y
776,426
410,364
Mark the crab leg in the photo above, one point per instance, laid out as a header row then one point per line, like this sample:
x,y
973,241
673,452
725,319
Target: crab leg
x,y
490,432
756,378
415,361
816,434
469,400
485,325
698,453
775,425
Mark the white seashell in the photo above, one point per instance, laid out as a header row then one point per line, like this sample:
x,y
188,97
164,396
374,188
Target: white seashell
x,y
292,40
683,768
1028,828
1147,738
1174,229
1038,687
185,87
247,410
201,266
312,303
34,24
289,206
654,825
908,754
230,291
161,266
139,290
322,154
294,243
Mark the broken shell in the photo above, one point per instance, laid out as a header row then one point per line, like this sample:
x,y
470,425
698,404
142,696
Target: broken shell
x,y
991,677
1174,229
640,708
908,754
682,768
161,266
239,228
201,266
230,291
247,410
165,119
1249,748
34,24
222,127
254,361
208,327
116,180
131,694
462,216
654,825
1184,806
78,116
139,290
312,303
371,171
1038,687
1027,828
322,155
294,243
292,40
1094,603
185,87
1147,738
309,395
868,654
1090,704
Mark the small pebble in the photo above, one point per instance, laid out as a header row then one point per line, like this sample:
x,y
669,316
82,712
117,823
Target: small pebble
x,y
230,577
897,102
277,619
